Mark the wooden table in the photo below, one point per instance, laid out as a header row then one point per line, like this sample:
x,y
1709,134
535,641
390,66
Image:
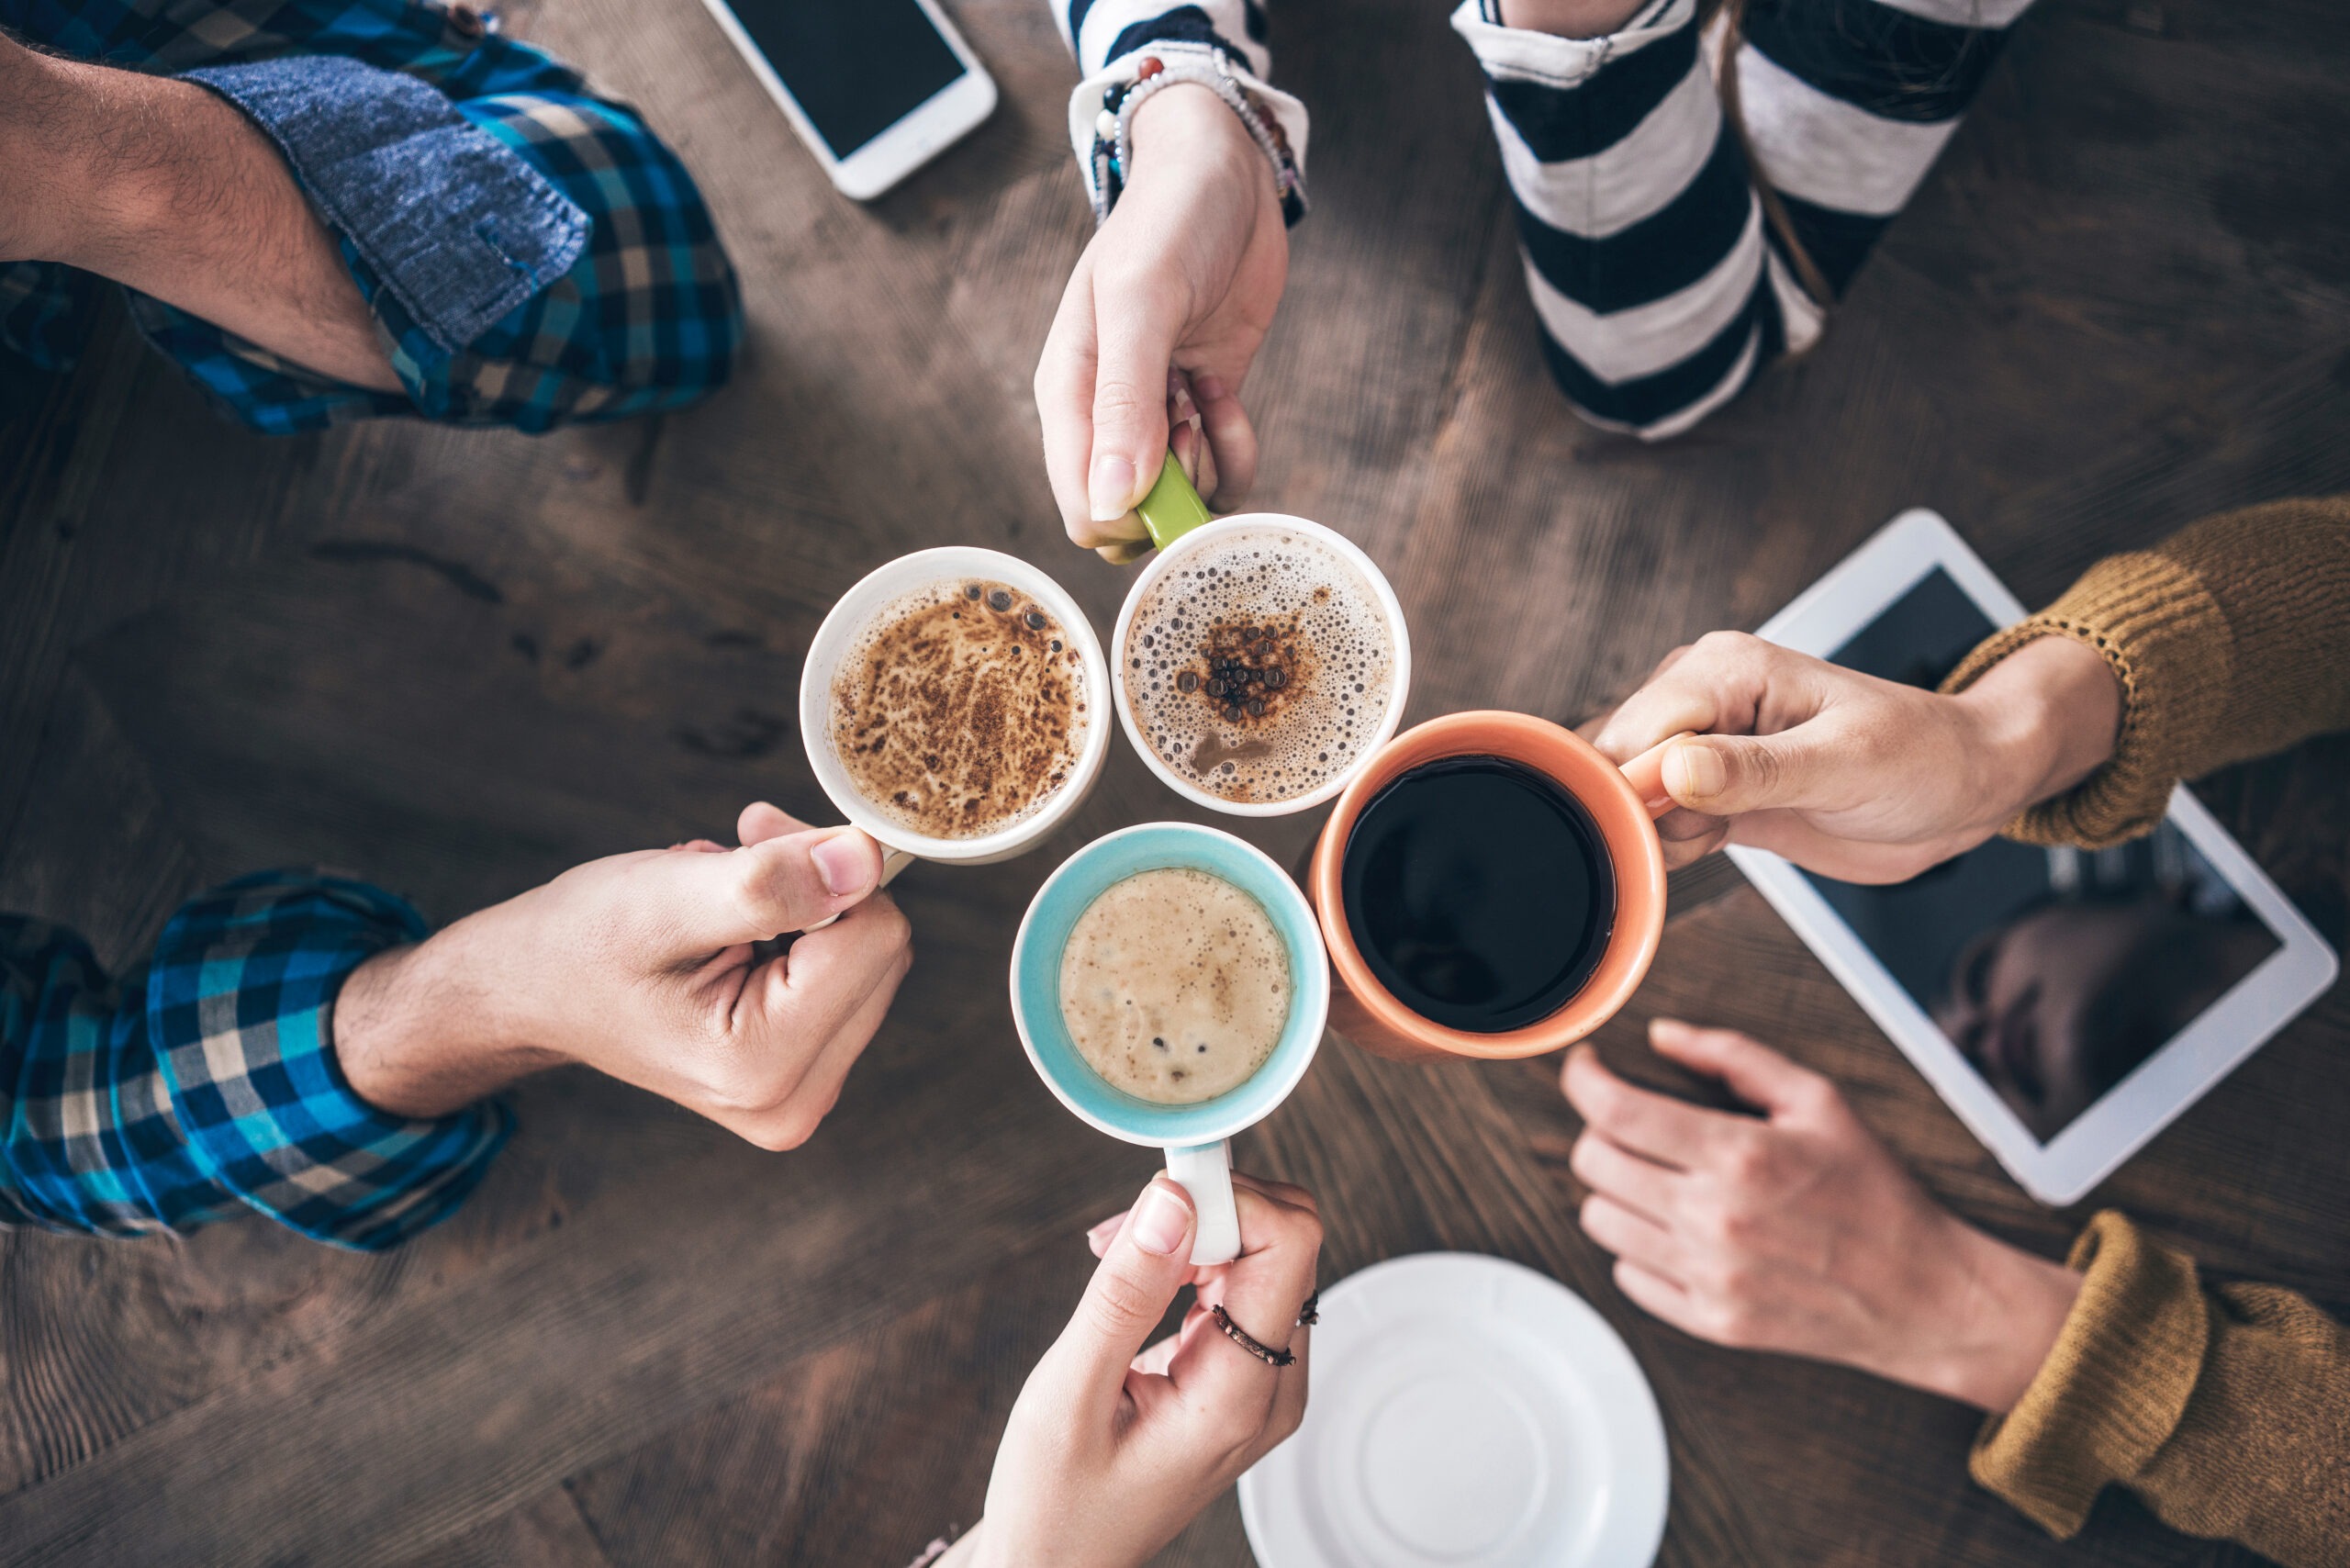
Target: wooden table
x,y
458,662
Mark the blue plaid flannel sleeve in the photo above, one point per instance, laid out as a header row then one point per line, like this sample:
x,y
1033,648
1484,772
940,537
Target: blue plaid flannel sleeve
x,y
207,1084
646,316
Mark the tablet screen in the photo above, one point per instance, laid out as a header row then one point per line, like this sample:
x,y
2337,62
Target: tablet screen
x,y
2055,971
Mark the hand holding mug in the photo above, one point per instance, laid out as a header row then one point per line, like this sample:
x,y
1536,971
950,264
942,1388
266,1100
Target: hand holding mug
x,y
1854,777
1113,1448
1796,1231
1184,276
646,966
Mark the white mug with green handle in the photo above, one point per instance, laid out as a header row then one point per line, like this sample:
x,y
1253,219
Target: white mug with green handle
x,y
1180,525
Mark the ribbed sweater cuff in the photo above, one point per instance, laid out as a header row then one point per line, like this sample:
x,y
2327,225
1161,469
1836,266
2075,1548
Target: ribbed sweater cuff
x,y
2113,1388
2168,643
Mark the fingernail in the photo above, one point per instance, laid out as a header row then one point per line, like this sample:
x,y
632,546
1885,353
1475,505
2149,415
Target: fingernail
x,y
1160,1220
1102,1233
843,863
1702,773
1112,488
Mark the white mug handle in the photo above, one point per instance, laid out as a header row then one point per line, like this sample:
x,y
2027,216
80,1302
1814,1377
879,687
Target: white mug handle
x,y
1204,1171
892,862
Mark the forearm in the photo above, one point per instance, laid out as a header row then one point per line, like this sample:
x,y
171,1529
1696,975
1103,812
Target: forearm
x,y
206,1083
2049,715
420,1030
2228,641
2001,1310
2226,1410
168,189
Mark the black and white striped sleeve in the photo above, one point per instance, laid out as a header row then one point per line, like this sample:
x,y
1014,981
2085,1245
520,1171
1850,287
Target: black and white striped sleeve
x,y
1848,103
1112,39
1660,288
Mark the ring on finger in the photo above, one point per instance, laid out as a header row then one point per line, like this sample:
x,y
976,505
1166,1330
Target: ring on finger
x,y
1249,1342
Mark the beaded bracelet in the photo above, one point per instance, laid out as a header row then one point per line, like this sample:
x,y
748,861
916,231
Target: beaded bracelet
x,y
1153,73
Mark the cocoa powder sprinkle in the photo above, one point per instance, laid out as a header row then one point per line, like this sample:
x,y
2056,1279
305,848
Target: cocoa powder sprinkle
x,y
963,712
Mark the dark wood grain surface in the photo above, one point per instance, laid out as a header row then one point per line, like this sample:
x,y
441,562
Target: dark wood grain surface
x,y
458,662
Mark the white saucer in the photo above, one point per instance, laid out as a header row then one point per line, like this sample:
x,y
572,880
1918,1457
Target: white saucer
x,y
1467,1413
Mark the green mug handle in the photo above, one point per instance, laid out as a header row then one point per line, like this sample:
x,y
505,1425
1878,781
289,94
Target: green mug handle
x,y
1172,508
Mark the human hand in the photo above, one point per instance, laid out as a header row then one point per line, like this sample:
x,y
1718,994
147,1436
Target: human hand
x,y
1185,278
1796,1231
1855,778
1113,1448
649,967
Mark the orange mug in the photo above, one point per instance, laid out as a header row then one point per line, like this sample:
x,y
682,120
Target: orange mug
x,y
1624,803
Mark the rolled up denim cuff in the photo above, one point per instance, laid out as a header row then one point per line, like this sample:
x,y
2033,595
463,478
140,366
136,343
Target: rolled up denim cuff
x,y
460,230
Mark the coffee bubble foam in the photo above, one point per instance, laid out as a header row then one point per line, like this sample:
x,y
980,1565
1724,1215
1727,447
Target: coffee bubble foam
x,y
1260,668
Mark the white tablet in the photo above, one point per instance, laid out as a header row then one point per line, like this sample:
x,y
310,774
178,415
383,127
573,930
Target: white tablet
x,y
2067,1003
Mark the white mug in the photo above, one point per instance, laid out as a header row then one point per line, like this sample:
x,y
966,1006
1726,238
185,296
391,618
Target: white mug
x,y
1184,538
838,636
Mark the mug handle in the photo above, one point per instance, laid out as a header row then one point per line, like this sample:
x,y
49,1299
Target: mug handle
x,y
1173,508
892,862
1645,773
1204,1171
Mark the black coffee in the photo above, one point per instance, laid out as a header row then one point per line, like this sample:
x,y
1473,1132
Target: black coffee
x,y
1480,892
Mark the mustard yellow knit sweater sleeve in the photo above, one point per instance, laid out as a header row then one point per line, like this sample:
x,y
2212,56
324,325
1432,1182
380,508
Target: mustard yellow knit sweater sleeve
x,y
2225,1409
2232,640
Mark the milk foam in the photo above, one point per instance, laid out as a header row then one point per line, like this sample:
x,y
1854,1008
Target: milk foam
x,y
1175,986
1291,626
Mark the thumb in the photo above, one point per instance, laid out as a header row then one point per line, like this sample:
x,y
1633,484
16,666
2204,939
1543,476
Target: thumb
x,y
768,889
1725,775
1136,340
1147,1261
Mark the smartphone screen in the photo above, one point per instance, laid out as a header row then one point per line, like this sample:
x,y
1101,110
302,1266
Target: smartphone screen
x,y
856,67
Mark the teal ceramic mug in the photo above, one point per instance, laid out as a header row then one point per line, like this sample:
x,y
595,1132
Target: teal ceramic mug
x,y
1194,1136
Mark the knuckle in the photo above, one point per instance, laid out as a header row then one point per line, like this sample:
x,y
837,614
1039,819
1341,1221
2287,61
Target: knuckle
x,y
1602,1099
1583,1157
1730,1322
1724,644
778,1135
756,1089
1744,1164
1116,399
1741,1227
1121,1305
1715,1220
1235,1425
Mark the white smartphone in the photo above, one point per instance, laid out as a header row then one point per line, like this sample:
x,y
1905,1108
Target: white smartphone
x,y
876,88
